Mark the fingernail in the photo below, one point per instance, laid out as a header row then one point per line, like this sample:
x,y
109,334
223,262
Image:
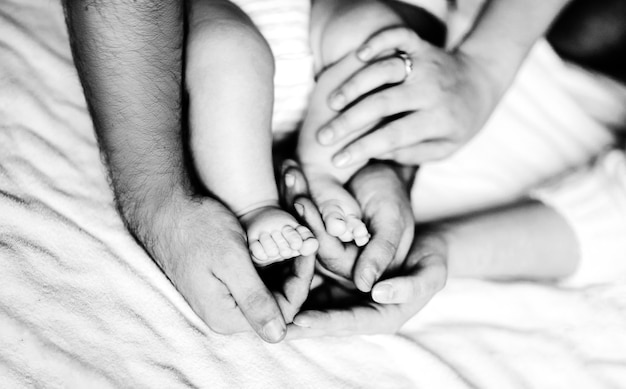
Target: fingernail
x,y
290,179
275,330
299,209
302,321
364,53
368,276
341,159
382,293
338,101
326,136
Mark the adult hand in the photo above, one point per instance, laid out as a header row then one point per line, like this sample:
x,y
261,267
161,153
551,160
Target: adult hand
x,y
334,310
438,100
202,249
336,259
383,198
131,57
409,282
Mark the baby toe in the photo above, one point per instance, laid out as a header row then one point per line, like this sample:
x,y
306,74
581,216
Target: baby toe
x,y
270,247
335,224
283,247
309,243
304,233
292,237
258,253
346,236
359,231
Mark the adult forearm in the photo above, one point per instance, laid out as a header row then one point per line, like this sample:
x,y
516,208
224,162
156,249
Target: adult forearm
x,y
525,241
505,31
129,58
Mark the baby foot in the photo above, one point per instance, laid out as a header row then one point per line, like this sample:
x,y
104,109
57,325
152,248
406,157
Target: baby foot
x,y
340,211
274,235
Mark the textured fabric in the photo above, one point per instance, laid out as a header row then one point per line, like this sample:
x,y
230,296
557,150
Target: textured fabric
x,y
81,305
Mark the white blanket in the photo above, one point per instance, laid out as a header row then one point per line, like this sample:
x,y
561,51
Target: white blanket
x,y
81,305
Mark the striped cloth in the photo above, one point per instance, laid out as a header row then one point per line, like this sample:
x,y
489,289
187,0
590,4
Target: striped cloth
x,y
285,26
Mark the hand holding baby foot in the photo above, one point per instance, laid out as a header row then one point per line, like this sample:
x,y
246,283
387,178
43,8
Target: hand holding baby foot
x,y
441,98
340,211
274,235
383,196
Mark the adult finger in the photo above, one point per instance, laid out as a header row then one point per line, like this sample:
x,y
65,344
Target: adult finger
x,y
364,115
421,283
296,287
390,70
401,133
386,206
426,151
379,253
253,298
393,39
220,312
368,319
333,255
293,183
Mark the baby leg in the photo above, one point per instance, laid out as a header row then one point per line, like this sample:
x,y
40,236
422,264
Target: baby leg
x,y
340,211
338,29
230,82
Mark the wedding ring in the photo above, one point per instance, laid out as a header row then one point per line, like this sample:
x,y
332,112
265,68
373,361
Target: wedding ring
x,y
408,63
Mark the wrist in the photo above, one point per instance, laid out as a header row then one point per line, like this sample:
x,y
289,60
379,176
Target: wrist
x,y
148,203
491,76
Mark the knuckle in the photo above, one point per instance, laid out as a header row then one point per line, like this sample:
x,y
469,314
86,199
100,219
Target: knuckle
x,y
349,88
434,285
393,155
442,284
397,326
356,149
404,33
431,287
220,327
390,329
387,249
254,301
342,123
443,280
388,64
445,150
381,103
401,136
397,135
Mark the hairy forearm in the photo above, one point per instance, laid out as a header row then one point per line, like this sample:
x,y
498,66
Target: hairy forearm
x,y
525,241
129,58
505,32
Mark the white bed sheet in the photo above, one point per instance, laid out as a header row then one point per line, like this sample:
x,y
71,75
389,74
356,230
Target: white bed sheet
x,y
81,305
